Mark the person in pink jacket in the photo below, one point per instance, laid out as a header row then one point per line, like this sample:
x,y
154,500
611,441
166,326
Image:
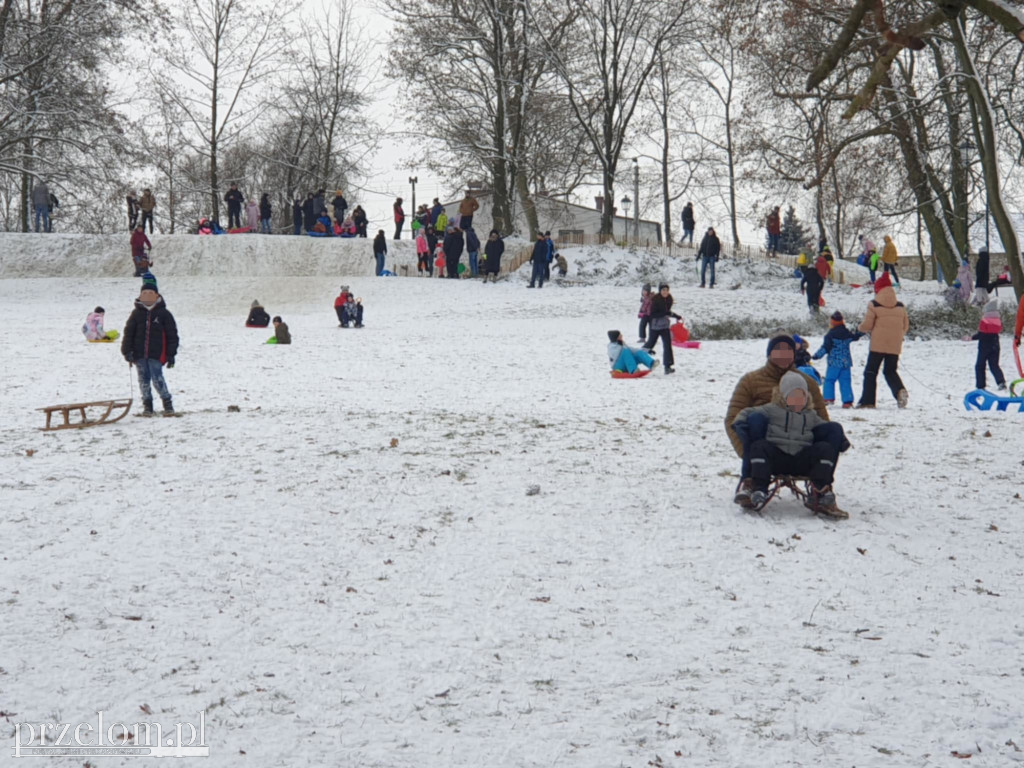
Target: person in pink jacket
x,y
422,254
93,328
252,216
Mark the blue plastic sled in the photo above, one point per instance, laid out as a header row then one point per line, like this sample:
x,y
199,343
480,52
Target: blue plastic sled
x,y
319,234
981,400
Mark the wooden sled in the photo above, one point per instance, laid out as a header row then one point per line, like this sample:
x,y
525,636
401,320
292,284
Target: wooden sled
x,y
799,486
119,409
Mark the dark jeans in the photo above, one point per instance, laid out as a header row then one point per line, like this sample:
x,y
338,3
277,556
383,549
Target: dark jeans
x,y
888,363
706,262
644,322
380,263
756,427
687,235
988,354
234,216
773,242
152,372
816,462
668,359
147,216
298,227
465,222
451,265
538,274
398,229
892,269
133,219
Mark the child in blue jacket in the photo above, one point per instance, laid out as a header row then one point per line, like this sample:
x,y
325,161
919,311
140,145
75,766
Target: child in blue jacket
x,y
840,362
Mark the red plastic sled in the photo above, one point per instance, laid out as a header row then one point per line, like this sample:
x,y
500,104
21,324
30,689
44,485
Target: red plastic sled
x,y
680,333
238,230
687,345
623,375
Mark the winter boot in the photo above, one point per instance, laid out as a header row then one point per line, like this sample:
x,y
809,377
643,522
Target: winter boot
x,y
758,499
147,407
901,398
823,502
168,407
654,364
743,492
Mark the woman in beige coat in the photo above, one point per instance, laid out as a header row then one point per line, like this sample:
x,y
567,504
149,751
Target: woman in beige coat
x,y
887,322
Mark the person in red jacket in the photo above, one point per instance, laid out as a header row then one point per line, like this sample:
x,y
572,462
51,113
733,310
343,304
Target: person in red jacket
x,y
774,226
399,218
140,251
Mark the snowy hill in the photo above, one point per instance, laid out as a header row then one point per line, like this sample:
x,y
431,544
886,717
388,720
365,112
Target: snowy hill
x,y
349,571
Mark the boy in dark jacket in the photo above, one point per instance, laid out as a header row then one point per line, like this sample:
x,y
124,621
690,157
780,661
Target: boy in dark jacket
x,y
836,345
791,446
812,284
151,339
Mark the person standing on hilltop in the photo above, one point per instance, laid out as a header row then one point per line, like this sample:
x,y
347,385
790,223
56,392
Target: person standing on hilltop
x,y
689,224
774,225
399,218
234,198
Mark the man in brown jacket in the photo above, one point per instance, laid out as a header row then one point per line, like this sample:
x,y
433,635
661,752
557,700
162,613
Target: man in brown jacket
x,y
467,208
887,322
147,203
755,389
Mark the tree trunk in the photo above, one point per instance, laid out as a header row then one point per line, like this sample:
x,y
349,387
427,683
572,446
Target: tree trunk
x,y
984,128
523,188
730,155
930,205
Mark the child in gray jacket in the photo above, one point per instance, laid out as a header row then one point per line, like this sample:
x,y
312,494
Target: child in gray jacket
x,y
790,446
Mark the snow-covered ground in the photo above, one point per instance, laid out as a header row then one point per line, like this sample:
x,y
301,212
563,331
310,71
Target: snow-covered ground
x,y
349,571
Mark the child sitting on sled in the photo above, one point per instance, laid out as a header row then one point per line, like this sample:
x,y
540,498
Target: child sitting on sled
x,y
348,308
281,333
93,328
627,359
258,317
790,446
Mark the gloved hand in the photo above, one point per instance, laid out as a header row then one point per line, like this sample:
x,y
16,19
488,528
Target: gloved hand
x,y
170,362
130,359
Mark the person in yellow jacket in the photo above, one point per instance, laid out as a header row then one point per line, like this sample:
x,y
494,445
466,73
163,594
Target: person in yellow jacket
x,y
889,259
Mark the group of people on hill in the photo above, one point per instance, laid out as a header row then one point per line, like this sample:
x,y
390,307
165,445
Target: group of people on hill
x,y
886,321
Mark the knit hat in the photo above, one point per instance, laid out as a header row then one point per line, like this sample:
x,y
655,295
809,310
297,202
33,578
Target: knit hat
x,y
837,318
992,306
149,281
662,285
613,336
883,282
647,287
100,311
255,303
790,382
780,339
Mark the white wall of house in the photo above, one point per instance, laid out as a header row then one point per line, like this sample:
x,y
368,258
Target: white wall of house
x,y
560,218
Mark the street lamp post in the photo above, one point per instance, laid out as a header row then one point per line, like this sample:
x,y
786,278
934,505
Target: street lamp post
x,y
626,202
413,180
636,198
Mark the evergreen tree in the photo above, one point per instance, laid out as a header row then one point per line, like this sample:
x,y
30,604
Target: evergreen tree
x,y
795,236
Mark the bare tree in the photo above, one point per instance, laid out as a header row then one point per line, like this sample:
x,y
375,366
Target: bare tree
x,y
617,45
215,69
